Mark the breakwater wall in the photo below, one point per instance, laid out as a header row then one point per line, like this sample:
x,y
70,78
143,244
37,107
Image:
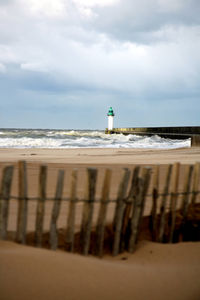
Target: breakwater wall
x,y
183,132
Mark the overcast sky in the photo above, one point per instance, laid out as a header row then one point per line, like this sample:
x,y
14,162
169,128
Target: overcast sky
x,y
64,62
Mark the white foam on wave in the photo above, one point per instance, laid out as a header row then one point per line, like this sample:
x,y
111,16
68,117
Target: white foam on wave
x,y
28,143
84,139
77,133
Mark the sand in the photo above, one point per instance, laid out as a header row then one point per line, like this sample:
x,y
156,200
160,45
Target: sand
x,y
102,156
154,271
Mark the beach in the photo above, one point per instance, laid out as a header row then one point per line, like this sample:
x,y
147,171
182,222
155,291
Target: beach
x,y
154,271
97,156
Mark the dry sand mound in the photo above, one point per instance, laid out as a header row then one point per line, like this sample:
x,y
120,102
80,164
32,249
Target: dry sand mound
x,y
155,271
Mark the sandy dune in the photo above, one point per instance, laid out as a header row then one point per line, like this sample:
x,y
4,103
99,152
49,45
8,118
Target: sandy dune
x,y
155,271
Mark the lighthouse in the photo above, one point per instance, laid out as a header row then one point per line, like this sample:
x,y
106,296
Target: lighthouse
x,y
110,119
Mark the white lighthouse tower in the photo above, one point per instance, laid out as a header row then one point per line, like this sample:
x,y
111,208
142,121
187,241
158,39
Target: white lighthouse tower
x,y
110,119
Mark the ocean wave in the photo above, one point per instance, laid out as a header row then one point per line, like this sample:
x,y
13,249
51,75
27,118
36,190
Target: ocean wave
x,y
83,139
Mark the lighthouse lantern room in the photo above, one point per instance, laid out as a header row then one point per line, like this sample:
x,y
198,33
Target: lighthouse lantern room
x,y
110,118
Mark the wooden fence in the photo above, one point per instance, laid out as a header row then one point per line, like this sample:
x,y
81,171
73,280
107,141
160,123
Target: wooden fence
x,y
133,191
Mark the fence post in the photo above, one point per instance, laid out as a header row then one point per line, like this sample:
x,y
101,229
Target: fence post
x,y
4,200
139,203
88,211
40,206
187,185
56,210
173,200
121,192
23,203
102,213
119,211
186,196
196,181
129,206
71,213
163,204
153,216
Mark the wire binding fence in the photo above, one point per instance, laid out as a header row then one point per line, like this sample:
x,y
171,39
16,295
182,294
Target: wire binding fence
x,y
67,199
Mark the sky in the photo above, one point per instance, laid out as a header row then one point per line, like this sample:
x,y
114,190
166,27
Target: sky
x,y
63,63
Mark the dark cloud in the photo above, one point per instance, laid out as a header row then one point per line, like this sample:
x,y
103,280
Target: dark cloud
x,y
7,2
142,20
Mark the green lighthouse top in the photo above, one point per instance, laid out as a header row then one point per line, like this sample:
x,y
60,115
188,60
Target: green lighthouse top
x,y
110,112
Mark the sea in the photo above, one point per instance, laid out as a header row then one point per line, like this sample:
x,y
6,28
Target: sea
x,y
64,139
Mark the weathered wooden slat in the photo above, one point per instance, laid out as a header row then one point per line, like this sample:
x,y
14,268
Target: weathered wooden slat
x,y
173,200
139,204
146,175
186,197
196,182
4,200
153,216
71,213
22,203
129,207
88,211
187,185
122,191
40,206
164,203
56,210
102,213
130,198
135,175
120,206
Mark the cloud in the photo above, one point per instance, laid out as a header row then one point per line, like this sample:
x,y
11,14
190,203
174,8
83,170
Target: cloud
x,y
35,67
93,53
2,68
144,20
